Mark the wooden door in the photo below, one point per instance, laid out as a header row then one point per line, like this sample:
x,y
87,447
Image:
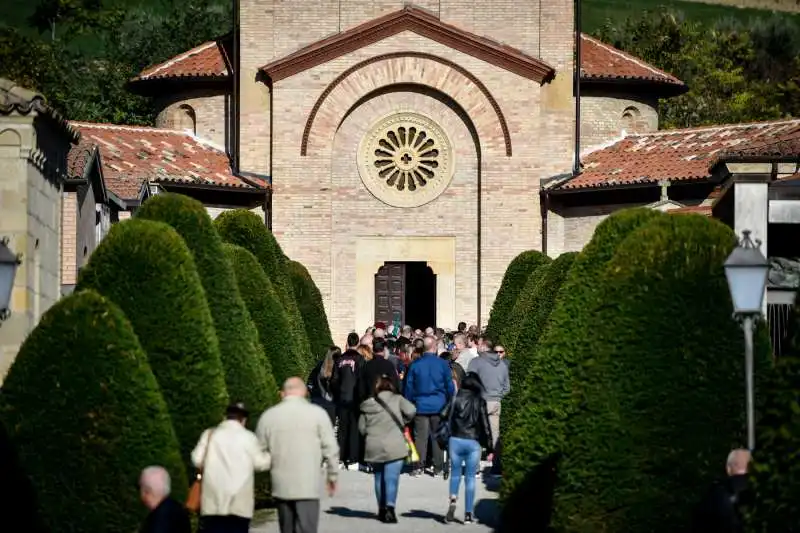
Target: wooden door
x,y
390,293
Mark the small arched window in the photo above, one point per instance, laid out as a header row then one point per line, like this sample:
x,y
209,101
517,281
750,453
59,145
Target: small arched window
x,y
186,119
630,119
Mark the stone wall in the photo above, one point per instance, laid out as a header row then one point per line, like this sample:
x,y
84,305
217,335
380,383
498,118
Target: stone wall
x,y
30,203
604,116
201,112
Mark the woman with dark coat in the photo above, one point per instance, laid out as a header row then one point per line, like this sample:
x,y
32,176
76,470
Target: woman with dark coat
x,y
319,382
468,420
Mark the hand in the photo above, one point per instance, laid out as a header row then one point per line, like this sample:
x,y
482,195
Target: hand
x,y
331,488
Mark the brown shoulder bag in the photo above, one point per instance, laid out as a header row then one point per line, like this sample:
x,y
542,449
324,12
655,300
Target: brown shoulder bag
x,y
196,490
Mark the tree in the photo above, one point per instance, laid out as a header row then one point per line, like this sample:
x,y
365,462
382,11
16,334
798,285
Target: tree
x,y
248,374
146,269
538,298
517,273
245,229
267,313
86,415
548,400
776,465
309,300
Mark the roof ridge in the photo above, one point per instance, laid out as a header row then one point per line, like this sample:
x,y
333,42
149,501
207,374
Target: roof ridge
x,y
640,62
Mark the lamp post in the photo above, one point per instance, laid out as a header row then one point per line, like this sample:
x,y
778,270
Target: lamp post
x,y
747,269
9,262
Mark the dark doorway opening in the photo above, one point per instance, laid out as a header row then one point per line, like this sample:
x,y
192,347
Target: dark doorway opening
x,y
406,290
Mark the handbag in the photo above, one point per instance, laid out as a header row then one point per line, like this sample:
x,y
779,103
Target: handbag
x,y
413,454
442,433
194,497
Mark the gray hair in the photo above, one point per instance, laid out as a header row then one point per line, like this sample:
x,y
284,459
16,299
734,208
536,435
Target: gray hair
x,y
155,480
738,461
430,343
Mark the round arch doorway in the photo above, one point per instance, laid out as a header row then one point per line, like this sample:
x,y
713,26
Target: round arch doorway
x,y
406,291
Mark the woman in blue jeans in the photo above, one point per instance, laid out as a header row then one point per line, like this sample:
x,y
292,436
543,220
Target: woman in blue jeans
x,y
382,422
469,431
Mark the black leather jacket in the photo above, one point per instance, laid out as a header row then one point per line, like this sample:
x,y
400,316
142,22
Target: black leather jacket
x,y
469,419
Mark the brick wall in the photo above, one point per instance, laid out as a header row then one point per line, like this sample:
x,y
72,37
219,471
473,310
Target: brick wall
x,y
69,238
208,108
605,116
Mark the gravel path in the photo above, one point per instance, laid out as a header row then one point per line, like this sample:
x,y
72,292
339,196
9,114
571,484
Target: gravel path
x,y
421,505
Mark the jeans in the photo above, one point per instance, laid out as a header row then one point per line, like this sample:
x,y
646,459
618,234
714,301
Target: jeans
x,y
387,482
424,427
465,451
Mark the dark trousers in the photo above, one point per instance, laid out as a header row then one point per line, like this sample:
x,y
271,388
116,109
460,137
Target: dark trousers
x,y
224,524
298,516
348,435
424,427
329,407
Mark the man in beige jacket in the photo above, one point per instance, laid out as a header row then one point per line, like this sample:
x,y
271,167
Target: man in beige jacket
x,y
298,435
229,454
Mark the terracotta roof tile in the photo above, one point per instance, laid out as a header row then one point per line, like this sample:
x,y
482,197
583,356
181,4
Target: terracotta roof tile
x,y
205,60
601,61
786,145
78,157
675,155
132,155
704,210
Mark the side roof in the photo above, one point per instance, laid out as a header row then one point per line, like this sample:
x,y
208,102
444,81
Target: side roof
x,y
16,99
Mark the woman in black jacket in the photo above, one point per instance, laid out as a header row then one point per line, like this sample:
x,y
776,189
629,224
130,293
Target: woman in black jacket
x,y
468,421
319,382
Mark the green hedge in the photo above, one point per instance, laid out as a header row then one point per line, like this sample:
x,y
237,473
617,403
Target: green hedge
x,y
146,269
513,282
548,399
536,298
662,395
18,504
532,310
267,312
245,229
776,460
309,300
248,375
86,415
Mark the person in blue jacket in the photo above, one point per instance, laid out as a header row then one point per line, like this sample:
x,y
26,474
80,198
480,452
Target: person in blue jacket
x,y
429,386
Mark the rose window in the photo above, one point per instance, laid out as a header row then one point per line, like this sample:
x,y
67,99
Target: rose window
x,y
406,160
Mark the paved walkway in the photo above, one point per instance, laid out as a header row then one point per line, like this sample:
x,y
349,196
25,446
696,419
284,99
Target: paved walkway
x,y
421,505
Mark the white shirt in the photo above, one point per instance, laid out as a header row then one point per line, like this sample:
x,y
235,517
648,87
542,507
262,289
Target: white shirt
x,y
466,356
235,454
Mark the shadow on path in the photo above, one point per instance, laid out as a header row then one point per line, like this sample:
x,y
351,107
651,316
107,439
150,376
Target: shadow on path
x,y
351,513
427,515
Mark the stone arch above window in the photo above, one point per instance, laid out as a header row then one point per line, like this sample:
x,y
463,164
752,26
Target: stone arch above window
x,y
186,118
630,119
407,68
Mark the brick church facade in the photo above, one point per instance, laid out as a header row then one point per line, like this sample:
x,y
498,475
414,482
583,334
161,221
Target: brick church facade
x,y
410,149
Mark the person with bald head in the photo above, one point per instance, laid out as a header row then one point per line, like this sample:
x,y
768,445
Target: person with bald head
x,y
429,386
166,515
299,436
720,509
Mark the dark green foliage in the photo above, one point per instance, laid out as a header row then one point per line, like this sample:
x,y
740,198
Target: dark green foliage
x,y
661,406
548,399
146,269
309,300
267,313
245,229
248,374
86,415
18,503
533,309
776,468
513,282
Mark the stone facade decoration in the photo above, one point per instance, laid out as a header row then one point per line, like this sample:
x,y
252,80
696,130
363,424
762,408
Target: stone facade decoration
x,y
34,143
406,160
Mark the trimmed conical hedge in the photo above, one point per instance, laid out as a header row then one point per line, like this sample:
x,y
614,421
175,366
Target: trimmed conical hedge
x,y
267,312
776,459
548,400
533,309
245,229
309,300
146,269
86,414
517,274
248,374
662,395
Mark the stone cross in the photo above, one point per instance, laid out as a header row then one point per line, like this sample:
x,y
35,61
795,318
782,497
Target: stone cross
x,y
664,184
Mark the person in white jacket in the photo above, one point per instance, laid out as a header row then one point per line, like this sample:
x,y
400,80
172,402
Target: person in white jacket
x,y
229,455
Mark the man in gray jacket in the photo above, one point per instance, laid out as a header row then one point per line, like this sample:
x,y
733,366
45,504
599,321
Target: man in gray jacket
x,y
298,435
494,376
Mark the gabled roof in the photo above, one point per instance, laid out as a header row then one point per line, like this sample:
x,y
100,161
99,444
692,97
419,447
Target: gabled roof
x,y
16,99
421,22
208,60
601,61
134,155
673,155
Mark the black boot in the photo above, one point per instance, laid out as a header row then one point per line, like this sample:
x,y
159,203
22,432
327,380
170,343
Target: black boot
x,y
382,514
451,512
467,518
391,518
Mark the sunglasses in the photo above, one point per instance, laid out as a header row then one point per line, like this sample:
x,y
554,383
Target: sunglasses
x,y
501,351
